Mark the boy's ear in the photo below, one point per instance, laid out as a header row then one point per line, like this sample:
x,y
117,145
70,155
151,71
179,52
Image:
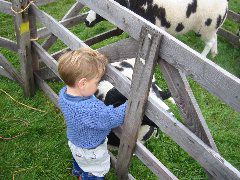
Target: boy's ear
x,y
81,83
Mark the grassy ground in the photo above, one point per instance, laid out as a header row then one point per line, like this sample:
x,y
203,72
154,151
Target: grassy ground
x,y
40,149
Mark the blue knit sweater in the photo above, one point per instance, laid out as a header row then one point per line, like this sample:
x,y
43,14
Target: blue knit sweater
x,y
88,119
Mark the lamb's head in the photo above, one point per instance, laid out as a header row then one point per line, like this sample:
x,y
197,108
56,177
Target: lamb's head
x,y
93,18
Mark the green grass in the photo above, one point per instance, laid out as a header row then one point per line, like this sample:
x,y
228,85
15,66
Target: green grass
x,y
41,152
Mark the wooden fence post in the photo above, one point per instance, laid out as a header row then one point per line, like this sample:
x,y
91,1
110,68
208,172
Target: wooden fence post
x,y
21,21
142,77
34,37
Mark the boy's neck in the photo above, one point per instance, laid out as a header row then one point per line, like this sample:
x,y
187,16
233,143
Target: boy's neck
x,y
73,91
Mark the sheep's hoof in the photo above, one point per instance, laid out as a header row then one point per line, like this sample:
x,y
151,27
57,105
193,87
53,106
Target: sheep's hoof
x,y
214,55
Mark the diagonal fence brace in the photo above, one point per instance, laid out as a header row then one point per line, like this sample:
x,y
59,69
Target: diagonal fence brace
x,y
142,76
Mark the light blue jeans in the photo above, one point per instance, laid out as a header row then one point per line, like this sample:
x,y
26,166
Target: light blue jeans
x,y
77,171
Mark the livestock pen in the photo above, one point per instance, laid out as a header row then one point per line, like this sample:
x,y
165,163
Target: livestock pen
x,y
171,59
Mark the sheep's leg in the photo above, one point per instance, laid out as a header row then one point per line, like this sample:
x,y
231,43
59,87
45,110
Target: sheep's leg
x,y
214,50
208,46
238,33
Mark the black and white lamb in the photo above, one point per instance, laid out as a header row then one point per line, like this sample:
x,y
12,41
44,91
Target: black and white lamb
x,y
111,96
178,17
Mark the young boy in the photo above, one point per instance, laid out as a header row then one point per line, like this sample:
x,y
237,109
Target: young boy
x,y
88,119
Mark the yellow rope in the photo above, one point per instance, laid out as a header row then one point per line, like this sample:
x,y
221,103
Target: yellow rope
x,y
21,170
22,10
21,103
34,39
26,123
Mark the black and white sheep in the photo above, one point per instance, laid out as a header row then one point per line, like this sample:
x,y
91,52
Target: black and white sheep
x,y
111,96
178,17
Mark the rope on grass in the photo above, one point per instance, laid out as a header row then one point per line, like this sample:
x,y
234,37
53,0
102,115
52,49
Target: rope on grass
x,y
21,170
10,138
35,109
13,137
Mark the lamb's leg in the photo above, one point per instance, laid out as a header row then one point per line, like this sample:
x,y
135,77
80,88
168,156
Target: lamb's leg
x,y
208,46
214,50
238,33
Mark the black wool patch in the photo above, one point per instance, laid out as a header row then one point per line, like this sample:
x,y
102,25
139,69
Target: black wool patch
x,y
100,97
208,22
126,64
114,97
155,90
192,8
96,93
198,34
162,17
119,68
219,20
148,134
179,27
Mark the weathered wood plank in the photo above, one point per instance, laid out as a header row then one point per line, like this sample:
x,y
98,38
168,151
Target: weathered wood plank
x,y
33,36
4,73
208,74
46,58
46,88
216,165
21,22
57,54
141,81
233,16
123,49
152,162
44,32
46,74
103,36
73,11
232,38
58,29
5,7
10,70
9,44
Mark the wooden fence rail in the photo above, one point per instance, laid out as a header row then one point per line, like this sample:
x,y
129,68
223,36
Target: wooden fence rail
x,y
58,29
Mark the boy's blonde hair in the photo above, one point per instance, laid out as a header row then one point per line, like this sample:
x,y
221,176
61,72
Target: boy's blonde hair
x,y
81,63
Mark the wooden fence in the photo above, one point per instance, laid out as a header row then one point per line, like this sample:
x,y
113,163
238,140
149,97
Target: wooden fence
x,y
151,46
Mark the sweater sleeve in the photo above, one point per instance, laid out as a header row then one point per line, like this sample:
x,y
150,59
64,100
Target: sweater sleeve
x,y
109,117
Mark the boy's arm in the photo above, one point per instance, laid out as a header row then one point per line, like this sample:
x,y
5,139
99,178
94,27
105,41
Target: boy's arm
x,y
110,117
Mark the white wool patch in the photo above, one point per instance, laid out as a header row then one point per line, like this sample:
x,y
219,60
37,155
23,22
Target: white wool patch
x,y
104,87
142,61
176,13
91,16
145,6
